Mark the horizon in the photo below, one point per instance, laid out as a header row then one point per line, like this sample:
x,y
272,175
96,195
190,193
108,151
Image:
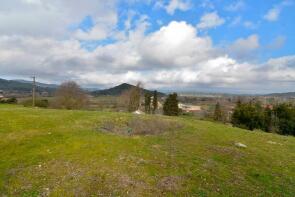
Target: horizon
x,y
231,47
166,91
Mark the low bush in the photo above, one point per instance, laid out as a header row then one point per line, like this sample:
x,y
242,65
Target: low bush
x,y
43,103
11,100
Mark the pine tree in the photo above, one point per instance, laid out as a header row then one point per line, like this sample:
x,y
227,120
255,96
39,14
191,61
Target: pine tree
x,y
147,103
155,101
171,105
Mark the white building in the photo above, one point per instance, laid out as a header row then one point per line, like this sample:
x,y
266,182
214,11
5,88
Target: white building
x,y
1,94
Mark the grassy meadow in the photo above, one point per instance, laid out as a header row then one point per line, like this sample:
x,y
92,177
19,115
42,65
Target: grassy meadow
x,y
46,152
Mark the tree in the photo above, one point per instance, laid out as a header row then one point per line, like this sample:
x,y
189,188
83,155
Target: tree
x,y
155,101
134,98
70,96
248,116
171,105
218,116
147,103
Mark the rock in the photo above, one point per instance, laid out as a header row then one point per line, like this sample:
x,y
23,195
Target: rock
x,y
138,112
240,145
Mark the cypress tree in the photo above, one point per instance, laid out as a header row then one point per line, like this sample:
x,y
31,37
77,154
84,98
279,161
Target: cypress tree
x,y
171,105
155,101
147,103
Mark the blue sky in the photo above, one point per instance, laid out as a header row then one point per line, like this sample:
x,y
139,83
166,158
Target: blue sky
x,y
243,46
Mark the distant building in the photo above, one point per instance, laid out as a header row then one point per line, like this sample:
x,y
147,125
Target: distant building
x,y
1,94
189,108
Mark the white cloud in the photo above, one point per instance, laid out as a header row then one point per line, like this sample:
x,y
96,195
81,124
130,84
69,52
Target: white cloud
x,y
173,54
173,5
236,6
210,20
243,48
273,14
52,18
277,43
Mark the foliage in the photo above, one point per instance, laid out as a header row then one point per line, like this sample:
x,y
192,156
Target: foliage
x,y
155,101
280,119
70,96
43,103
285,118
134,98
218,115
170,106
11,100
147,103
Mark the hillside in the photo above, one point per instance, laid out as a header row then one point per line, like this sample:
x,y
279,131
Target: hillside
x,y
286,95
73,153
24,86
118,90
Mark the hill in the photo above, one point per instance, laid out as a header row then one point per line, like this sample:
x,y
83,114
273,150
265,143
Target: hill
x,y
118,90
25,86
285,95
74,153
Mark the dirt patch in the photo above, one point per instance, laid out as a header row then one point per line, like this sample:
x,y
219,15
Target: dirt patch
x,y
170,183
227,151
141,126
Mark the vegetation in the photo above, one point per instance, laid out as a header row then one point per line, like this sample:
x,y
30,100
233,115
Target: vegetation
x,y
119,90
24,86
134,98
147,103
11,100
155,101
43,103
280,119
70,96
218,115
170,106
46,152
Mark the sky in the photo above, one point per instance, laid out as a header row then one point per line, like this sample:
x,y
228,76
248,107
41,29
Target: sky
x,y
232,46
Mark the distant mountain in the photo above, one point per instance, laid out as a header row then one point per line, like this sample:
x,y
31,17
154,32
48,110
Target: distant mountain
x,y
44,85
286,95
118,90
25,86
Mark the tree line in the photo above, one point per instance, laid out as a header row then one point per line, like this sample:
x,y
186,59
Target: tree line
x,y
279,118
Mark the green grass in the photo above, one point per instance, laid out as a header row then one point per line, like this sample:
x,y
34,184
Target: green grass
x,y
64,153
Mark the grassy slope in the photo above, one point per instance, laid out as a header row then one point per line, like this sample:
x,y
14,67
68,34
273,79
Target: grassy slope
x,y
63,153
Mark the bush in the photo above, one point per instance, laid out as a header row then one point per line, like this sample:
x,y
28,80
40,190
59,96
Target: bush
x,y
11,100
43,103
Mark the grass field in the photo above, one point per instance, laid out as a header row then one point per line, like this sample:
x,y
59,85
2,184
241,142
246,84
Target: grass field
x,y
65,153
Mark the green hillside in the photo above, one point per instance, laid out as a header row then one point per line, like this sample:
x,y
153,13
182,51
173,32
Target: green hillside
x,y
25,86
74,153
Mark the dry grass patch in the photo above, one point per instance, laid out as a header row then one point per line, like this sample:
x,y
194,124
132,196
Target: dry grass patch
x,y
141,126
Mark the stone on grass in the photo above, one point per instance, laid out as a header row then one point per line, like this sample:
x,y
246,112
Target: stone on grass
x,y
240,145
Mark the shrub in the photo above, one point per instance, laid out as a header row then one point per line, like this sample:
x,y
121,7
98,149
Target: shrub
x,y
43,103
12,100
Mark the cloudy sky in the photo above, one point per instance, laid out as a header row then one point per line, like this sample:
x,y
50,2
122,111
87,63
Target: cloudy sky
x,y
241,46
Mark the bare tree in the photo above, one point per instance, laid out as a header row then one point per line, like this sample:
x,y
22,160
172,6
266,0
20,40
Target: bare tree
x,y
70,96
131,98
